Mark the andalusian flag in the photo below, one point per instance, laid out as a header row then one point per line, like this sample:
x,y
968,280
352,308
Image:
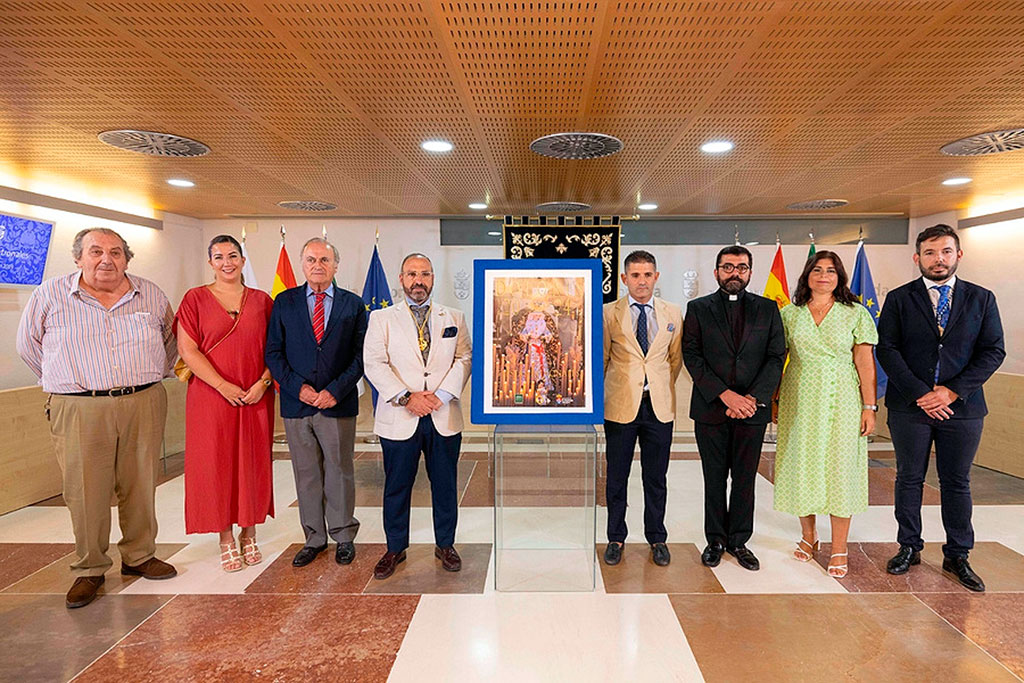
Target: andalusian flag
x,y
284,276
776,287
812,250
863,287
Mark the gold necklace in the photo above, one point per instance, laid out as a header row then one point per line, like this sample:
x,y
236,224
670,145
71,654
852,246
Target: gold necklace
x,y
821,310
421,328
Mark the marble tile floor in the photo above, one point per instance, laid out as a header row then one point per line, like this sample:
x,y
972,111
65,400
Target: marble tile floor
x,y
789,621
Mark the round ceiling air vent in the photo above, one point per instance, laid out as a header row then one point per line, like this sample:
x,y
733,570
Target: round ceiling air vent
x,y
154,144
994,142
576,145
562,207
307,205
817,205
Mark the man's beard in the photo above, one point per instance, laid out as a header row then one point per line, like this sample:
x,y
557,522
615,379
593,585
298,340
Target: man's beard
x,y
938,278
733,285
415,291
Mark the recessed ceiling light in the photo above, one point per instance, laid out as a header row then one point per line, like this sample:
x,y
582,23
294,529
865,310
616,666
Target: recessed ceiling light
x,y
180,182
716,147
956,181
493,233
436,145
477,206
753,244
650,206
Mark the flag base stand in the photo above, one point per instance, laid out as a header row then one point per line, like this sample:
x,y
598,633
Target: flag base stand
x,y
372,438
280,438
769,435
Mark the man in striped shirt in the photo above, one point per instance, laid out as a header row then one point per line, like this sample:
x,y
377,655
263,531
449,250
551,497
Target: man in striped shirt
x,y
100,341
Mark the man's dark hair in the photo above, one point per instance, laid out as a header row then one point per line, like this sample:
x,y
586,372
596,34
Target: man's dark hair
x,y
940,230
640,256
735,250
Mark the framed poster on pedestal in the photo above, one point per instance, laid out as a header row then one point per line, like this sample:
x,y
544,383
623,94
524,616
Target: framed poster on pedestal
x,y
537,342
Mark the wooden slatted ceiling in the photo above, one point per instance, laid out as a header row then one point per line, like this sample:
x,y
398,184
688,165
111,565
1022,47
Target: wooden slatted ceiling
x,y
330,100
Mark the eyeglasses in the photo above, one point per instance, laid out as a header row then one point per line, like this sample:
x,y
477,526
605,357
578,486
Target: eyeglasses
x,y
728,268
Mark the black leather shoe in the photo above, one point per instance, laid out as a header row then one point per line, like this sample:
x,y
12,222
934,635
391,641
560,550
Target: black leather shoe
x,y
660,554
307,555
712,555
746,559
345,553
386,565
613,553
901,561
961,569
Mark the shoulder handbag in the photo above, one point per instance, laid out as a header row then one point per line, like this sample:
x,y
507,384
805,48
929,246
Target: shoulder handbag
x,y
182,371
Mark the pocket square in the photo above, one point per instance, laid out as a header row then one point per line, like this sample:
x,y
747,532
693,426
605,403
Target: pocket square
x,y
671,327
450,332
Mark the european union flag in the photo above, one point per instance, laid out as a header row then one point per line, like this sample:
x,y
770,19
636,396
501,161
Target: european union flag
x,y
376,294
863,287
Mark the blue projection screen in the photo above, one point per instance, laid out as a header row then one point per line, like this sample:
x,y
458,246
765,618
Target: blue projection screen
x,y
24,244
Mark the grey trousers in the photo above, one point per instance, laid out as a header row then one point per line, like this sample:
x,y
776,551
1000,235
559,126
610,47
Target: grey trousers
x,y
321,451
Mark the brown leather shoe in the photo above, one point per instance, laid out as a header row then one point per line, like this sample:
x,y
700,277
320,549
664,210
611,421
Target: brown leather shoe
x,y
152,569
83,591
450,560
386,565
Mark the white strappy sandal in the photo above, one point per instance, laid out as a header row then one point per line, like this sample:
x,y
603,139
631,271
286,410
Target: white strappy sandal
x,y
230,559
803,555
838,571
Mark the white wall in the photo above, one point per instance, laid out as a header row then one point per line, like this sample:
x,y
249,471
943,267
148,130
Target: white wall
x,y
172,257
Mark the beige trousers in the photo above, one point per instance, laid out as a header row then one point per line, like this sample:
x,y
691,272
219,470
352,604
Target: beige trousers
x,y
110,446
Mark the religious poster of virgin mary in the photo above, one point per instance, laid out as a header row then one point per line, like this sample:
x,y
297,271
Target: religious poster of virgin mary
x,y
535,327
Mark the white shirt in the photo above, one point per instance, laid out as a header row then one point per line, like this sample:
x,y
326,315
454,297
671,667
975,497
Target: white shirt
x,y
652,318
933,293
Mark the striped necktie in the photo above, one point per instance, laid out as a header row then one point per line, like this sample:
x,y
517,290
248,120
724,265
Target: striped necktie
x,y
318,316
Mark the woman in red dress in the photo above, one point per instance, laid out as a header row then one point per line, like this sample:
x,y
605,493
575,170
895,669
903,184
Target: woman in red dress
x,y
229,411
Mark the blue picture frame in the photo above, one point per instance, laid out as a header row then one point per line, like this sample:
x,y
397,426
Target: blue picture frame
x,y
24,248
578,372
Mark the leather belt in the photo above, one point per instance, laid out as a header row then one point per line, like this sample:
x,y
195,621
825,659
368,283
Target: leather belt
x,y
116,391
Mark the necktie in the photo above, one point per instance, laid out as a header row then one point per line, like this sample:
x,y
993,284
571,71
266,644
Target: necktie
x,y
419,314
318,316
942,309
641,328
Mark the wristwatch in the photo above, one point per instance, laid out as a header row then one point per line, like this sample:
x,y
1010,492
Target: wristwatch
x,y
267,382
403,400
873,408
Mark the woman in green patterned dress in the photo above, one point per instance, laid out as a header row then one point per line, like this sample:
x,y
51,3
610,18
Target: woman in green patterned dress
x,y
826,407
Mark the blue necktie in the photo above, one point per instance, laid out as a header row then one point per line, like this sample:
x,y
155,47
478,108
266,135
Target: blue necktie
x,y
942,309
641,328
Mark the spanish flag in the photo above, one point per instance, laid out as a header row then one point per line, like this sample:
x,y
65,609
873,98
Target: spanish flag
x,y
284,276
776,287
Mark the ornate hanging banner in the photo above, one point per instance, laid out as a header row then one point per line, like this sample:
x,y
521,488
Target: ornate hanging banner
x,y
568,237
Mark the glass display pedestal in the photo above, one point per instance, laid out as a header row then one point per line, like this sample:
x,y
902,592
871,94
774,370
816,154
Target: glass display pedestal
x,y
544,507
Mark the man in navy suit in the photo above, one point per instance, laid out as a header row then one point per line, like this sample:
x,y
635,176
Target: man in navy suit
x,y
315,352
939,340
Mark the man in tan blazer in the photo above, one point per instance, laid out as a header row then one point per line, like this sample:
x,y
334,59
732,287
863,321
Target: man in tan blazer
x,y
417,355
642,359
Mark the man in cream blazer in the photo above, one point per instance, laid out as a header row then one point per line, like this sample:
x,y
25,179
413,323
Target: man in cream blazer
x,y
642,359
417,355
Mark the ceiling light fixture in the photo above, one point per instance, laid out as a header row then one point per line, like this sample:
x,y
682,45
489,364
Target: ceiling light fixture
x,y
649,206
180,182
437,146
753,244
576,145
956,181
494,233
477,206
716,147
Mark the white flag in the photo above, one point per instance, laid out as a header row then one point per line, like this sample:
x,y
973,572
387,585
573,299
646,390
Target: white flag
x,y
247,271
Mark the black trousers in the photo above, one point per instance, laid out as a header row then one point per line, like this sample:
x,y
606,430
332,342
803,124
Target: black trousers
x,y
655,445
401,460
732,448
956,442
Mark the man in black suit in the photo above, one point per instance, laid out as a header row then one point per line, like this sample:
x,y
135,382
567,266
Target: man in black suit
x,y
939,340
734,348
315,352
